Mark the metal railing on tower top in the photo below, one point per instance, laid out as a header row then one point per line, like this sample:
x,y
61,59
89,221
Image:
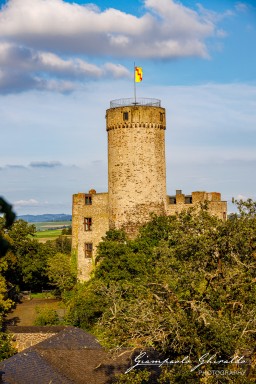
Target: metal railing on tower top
x,y
134,102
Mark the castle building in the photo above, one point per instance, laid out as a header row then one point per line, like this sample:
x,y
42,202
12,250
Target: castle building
x,y
136,181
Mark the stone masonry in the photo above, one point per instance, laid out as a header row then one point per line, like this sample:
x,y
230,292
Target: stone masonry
x,y
179,202
85,237
136,181
25,337
136,165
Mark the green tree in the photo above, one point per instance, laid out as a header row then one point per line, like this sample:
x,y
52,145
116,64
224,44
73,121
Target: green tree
x,y
185,286
46,316
26,258
5,223
63,244
61,271
6,349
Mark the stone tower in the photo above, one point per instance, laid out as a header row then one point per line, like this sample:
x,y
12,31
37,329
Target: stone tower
x,y
136,162
136,181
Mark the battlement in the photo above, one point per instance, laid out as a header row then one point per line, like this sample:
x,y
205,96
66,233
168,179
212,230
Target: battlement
x,y
195,197
178,202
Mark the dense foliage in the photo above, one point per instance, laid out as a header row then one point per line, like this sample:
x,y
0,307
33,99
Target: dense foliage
x,y
185,286
27,259
62,271
6,349
46,316
26,264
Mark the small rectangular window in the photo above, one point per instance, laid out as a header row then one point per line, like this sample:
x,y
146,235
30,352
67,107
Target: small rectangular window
x,y
125,116
172,200
188,199
87,223
161,116
88,250
88,199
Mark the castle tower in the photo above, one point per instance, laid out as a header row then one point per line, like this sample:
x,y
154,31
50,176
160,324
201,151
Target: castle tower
x,y
136,182
136,162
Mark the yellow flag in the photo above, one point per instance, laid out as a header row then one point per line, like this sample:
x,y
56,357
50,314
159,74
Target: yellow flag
x,y
138,73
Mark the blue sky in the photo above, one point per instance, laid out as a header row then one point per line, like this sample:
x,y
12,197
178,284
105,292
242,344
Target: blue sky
x,y
61,62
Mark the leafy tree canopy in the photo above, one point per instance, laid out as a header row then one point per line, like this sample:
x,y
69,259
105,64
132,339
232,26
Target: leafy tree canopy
x,y
6,349
185,286
62,271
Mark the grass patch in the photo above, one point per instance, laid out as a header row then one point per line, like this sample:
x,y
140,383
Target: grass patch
x,y
50,230
43,226
42,295
48,234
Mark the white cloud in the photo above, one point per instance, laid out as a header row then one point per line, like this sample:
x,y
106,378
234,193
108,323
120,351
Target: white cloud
x,y
51,63
24,68
26,203
116,70
60,86
53,45
241,7
166,30
241,197
212,16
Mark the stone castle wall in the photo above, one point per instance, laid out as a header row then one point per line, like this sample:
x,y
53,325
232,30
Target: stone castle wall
x,y
136,182
215,205
98,212
136,165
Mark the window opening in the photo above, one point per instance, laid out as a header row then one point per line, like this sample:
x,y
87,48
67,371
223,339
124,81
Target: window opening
x,y
87,223
88,199
188,199
125,116
88,250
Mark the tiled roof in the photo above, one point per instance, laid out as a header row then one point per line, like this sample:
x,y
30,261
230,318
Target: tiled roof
x,y
70,357
29,367
89,366
70,338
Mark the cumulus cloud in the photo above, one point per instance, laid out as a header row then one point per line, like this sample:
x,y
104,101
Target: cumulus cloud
x,y
166,30
212,16
24,68
26,203
43,43
16,82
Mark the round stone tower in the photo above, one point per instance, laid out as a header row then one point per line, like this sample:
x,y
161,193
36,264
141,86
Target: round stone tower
x,y
136,162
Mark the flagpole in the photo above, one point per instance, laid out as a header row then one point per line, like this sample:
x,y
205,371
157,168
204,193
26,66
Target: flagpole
x,y
134,83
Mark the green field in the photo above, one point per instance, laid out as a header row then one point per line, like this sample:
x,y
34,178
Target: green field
x,y
44,226
48,233
50,230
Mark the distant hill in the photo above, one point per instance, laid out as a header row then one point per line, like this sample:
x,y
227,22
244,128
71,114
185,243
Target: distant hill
x,y
45,218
